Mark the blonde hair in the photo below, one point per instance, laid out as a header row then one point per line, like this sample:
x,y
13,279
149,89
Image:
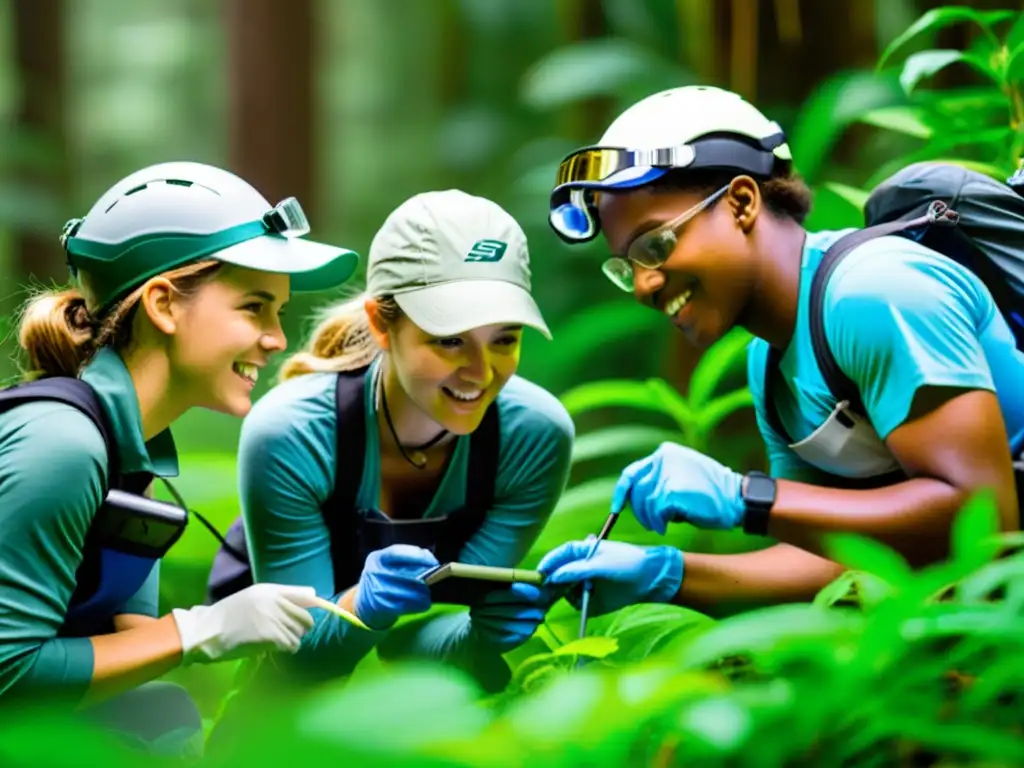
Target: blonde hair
x,y
59,333
341,339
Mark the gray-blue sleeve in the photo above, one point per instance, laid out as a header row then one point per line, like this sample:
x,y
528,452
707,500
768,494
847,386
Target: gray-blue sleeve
x,y
286,472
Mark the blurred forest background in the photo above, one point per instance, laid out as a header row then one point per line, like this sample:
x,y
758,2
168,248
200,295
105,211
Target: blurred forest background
x,y
354,105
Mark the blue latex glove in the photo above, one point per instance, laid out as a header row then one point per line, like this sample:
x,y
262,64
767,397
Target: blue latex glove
x,y
507,618
390,585
621,574
676,484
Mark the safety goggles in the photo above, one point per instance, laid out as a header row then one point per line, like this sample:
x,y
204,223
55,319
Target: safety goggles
x,y
116,267
572,211
653,248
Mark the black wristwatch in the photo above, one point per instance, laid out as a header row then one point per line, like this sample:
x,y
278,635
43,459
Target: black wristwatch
x,y
758,497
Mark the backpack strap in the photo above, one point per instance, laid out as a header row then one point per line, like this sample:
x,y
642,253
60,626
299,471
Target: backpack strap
x,y
771,368
339,511
839,384
77,394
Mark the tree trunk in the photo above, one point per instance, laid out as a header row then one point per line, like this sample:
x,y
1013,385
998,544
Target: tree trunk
x,y
272,82
39,52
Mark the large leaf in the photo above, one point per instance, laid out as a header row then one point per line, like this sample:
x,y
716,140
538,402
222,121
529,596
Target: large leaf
x,y
434,704
600,67
767,630
910,121
834,105
864,554
722,407
672,402
939,18
715,364
1015,65
925,64
613,441
612,393
594,330
644,629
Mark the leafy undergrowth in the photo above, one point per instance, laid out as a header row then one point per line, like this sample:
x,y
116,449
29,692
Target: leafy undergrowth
x,y
888,666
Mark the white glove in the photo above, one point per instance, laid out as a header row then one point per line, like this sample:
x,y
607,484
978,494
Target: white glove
x,y
263,617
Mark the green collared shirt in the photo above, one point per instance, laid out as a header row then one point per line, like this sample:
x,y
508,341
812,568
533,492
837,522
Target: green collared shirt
x,y
53,472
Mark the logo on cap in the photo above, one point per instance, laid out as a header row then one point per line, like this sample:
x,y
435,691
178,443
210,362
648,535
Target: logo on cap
x,y
487,250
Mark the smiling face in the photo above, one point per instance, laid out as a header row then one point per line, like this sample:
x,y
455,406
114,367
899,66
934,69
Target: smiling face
x,y
706,282
454,379
224,334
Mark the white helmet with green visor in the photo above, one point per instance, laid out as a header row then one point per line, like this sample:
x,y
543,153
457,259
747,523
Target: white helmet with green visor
x,y
689,128
172,214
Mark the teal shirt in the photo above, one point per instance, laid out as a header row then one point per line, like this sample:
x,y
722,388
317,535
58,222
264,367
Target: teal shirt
x,y
898,317
286,473
53,471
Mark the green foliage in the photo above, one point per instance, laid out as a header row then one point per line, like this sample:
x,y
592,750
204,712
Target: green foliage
x,y
893,668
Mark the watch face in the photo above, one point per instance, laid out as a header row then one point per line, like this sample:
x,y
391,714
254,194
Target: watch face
x,y
760,489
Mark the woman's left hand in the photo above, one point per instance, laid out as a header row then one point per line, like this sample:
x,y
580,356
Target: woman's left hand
x,y
507,618
677,484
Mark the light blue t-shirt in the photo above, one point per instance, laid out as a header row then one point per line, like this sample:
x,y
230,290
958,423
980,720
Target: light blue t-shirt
x,y
286,473
898,317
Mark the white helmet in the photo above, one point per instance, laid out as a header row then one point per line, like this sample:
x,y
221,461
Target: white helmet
x,y
172,214
695,127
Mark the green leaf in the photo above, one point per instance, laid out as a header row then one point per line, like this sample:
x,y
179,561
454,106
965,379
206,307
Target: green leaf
x,y
1015,36
611,393
926,63
720,408
936,19
995,575
833,106
596,492
592,647
672,402
644,629
975,529
434,704
863,554
597,327
599,67
1015,65
768,631
906,120
855,589
613,441
855,197
715,364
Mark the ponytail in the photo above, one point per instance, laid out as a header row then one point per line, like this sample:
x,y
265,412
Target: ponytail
x,y
341,339
57,334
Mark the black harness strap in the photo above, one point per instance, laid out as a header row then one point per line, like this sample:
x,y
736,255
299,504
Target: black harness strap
x,y
340,510
79,395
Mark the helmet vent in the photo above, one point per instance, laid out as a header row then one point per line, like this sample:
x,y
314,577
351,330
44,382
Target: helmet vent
x,y
148,184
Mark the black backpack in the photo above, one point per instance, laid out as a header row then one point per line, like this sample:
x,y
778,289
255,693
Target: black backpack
x,y
962,214
231,570
76,393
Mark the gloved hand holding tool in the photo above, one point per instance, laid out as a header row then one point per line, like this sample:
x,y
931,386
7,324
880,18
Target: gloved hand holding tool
x,y
263,617
622,574
390,585
676,484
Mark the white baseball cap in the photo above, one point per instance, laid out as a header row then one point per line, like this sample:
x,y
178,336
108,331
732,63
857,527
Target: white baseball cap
x,y
453,262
